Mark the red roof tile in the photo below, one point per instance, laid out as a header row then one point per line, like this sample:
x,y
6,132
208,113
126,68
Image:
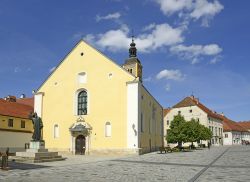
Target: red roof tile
x,y
166,111
15,109
244,124
229,125
191,101
26,101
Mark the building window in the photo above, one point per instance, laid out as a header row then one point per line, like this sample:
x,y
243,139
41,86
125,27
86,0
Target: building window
x,y
190,111
82,103
167,122
107,129
82,77
226,135
22,124
10,123
56,131
141,122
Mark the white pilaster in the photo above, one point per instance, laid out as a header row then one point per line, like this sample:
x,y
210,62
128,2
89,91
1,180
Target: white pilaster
x,y
133,115
38,103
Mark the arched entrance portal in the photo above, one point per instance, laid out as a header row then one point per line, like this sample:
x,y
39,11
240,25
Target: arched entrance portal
x,y
80,145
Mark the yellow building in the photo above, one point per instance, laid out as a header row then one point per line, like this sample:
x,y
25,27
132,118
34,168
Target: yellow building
x,y
92,105
15,126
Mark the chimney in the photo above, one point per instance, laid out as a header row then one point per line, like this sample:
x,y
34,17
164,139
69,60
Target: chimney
x,y
10,98
197,100
22,96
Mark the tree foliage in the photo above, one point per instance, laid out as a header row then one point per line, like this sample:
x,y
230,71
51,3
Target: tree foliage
x,y
187,131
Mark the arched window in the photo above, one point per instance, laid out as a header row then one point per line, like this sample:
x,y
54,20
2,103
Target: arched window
x,y
56,131
82,103
108,129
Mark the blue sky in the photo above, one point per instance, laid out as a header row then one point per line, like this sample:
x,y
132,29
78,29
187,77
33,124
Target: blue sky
x,y
189,46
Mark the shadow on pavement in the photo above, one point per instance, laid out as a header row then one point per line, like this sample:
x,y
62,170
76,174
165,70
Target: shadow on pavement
x,y
24,166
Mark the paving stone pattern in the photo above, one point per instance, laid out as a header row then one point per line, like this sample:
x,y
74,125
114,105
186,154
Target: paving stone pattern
x,y
216,164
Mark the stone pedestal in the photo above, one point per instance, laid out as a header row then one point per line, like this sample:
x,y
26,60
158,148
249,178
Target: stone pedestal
x,y
37,153
37,145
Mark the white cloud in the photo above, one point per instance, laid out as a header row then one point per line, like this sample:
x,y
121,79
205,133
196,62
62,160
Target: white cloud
x,y
149,27
160,35
216,59
206,10
191,9
194,52
170,75
169,7
148,79
111,16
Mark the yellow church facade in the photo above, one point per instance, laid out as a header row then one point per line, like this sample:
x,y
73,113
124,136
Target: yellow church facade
x,y
89,105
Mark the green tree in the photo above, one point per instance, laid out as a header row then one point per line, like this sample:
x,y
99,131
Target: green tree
x,y
193,129
205,133
177,131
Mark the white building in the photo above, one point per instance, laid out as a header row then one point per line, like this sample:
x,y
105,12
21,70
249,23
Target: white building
x,y
234,133
189,108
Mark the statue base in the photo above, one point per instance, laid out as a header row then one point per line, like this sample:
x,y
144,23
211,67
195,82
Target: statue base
x,y
37,145
37,153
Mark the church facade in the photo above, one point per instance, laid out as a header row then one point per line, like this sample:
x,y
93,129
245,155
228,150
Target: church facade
x,y
90,105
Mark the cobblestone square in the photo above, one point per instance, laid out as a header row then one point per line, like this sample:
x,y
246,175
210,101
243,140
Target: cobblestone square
x,y
216,164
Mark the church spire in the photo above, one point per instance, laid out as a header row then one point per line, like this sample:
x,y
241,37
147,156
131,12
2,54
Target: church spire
x,y
132,49
133,64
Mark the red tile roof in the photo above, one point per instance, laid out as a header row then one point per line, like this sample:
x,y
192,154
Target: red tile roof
x,y
166,111
26,101
15,109
244,124
229,125
191,101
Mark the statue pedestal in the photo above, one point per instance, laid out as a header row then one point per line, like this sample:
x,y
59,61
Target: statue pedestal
x,y
37,153
37,145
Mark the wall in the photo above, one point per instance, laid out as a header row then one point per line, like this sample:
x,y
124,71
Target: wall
x,y
152,136
107,100
228,140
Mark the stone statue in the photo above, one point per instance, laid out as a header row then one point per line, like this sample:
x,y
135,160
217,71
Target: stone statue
x,y
37,125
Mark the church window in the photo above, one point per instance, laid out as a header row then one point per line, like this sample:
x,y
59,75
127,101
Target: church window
x,y
82,77
56,131
82,103
107,129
